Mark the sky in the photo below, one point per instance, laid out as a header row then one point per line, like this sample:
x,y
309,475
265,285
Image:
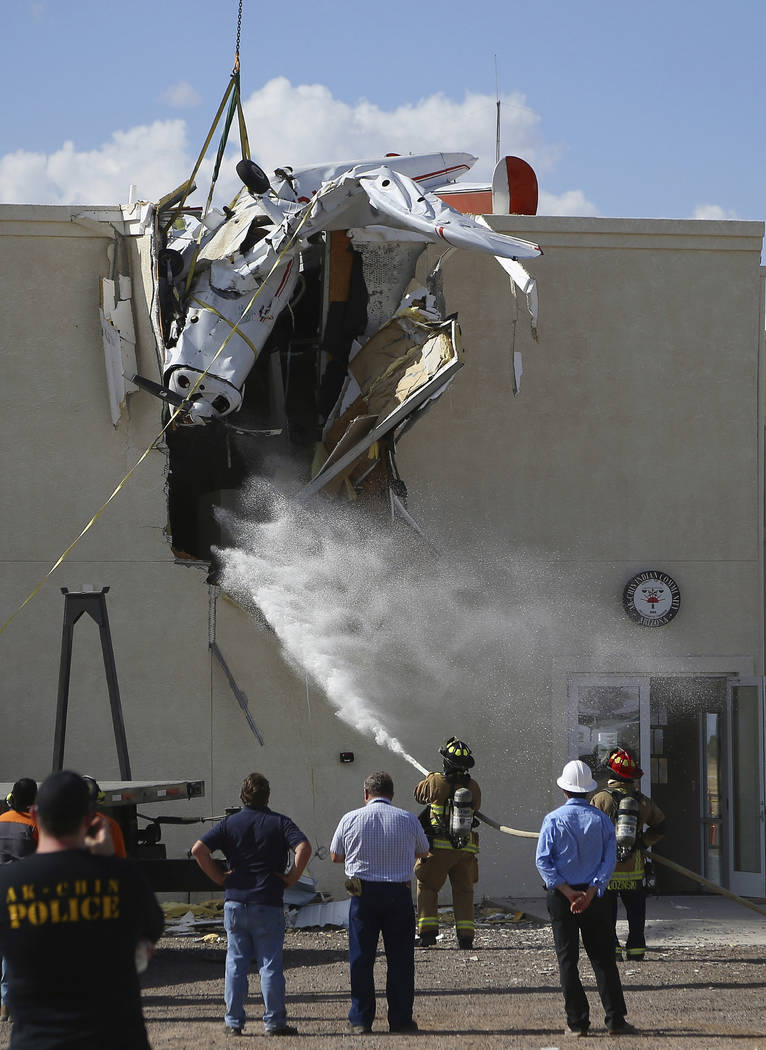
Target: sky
x,y
631,110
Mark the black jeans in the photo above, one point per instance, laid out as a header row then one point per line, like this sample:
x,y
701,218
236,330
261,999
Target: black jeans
x,y
635,909
384,907
595,925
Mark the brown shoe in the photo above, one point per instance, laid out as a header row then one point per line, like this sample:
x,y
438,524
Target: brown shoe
x,y
4,1013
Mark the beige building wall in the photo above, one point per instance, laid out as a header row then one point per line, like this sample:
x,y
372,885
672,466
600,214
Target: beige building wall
x,y
636,442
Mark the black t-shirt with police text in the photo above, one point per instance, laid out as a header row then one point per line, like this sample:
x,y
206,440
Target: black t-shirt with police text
x,y
69,926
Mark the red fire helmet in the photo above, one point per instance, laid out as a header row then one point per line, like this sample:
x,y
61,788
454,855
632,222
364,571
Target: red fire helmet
x,y
623,765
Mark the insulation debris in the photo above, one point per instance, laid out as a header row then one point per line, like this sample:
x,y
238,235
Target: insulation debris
x,y
211,909
409,361
186,920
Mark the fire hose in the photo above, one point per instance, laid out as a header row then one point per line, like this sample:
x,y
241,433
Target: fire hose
x,y
506,830
703,881
654,856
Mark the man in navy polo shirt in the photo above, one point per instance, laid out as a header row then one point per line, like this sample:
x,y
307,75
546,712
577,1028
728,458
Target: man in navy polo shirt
x,y
255,842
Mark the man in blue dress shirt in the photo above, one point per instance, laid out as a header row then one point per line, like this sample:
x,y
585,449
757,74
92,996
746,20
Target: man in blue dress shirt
x,y
379,844
576,855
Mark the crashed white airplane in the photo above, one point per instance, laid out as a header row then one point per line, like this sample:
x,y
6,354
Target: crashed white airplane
x,y
304,289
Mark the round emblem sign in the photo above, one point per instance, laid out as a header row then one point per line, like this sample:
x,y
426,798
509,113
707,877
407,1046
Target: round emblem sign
x,y
651,598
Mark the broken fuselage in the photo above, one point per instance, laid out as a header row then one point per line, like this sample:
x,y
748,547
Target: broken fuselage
x,y
292,318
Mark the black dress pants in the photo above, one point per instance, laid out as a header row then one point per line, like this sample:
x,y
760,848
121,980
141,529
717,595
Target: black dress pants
x,y
595,925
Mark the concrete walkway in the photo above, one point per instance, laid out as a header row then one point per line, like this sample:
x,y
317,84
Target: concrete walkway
x,y
682,921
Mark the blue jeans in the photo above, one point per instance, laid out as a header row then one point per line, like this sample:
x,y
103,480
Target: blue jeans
x,y
384,907
3,985
255,931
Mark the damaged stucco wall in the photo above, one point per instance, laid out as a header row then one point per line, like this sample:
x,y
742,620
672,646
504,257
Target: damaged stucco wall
x,y
635,442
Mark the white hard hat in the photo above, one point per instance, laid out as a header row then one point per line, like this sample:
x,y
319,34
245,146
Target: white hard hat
x,y
577,778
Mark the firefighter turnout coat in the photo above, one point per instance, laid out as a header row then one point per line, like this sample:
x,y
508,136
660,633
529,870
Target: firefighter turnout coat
x,y
444,861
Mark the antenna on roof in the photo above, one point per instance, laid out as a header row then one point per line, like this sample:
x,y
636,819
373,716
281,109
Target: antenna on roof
x,y
497,123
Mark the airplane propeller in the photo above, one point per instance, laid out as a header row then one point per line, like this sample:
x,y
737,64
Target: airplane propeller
x,y
170,397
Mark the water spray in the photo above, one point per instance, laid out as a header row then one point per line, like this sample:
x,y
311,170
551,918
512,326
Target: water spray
x,y
352,608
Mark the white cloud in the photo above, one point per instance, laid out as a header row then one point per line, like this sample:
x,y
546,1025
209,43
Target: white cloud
x,y
154,157
289,125
181,95
713,211
571,202
305,124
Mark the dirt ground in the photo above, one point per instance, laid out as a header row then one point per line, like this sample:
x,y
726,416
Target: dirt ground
x,y
504,993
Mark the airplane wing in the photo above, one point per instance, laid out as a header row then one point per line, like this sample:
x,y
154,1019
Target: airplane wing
x,y
401,203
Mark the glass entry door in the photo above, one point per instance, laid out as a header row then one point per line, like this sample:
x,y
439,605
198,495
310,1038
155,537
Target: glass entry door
x,y
609,711
746,787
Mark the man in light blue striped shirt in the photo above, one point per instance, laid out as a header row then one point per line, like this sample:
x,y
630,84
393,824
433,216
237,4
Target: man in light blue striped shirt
x,y
379,844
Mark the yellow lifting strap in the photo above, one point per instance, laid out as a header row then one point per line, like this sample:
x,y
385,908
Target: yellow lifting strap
x,y
177,210
234,104
243,139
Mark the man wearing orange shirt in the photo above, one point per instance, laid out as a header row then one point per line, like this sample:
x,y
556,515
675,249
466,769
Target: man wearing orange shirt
x,y
98,796
18,838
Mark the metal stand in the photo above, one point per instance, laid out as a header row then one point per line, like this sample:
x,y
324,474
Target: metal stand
x,y
94,604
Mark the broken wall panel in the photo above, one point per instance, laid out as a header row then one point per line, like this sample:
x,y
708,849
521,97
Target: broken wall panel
x,y
118,330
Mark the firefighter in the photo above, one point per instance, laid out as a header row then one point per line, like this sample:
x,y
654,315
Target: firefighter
x,y
451,798
639,824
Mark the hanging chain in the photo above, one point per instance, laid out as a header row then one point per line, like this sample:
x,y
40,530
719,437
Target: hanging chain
x,y
239,33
